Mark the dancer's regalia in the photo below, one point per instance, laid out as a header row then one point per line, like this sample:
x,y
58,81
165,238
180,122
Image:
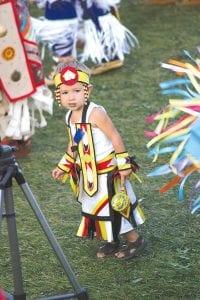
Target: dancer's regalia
x,y
178,130
94,174
22,89
105,38
98,182
92,22
58,28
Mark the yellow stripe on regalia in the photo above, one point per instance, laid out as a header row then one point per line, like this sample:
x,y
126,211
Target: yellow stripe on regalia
x,y
88,162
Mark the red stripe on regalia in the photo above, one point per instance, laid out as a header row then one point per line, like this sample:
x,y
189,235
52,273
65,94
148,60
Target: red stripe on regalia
x,y
85,229
101,207
103,165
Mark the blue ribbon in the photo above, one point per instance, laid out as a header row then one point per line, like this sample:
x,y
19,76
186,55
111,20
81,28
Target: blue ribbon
x,y
78,135
176,92
174,82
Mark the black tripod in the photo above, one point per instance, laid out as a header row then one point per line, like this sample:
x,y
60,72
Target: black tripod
x,y
9,169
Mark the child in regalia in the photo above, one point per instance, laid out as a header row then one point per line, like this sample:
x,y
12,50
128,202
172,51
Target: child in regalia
x,y
98,166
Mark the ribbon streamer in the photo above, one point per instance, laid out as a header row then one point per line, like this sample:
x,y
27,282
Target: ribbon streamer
x,y
177,133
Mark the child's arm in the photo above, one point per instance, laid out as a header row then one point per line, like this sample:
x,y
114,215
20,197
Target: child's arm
x,y
100,119
64,165
57,173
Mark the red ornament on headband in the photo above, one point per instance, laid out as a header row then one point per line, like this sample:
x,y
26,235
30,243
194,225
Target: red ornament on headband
x,y
69,76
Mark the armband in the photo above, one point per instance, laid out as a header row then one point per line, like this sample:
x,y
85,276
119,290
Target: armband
x,y
66,163
123,161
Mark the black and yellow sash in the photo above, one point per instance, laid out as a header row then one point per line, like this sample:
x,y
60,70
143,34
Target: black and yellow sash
x,y
86,153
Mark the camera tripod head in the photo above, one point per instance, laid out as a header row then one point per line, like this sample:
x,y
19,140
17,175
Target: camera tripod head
x,y
8,164
6,157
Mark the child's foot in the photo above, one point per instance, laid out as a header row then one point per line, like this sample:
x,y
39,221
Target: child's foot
x,y
107,249
131,249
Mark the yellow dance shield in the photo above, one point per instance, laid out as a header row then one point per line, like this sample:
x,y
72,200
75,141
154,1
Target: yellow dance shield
x,y
121,203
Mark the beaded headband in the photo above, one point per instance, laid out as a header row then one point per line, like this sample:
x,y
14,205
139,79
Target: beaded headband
x,y
69,76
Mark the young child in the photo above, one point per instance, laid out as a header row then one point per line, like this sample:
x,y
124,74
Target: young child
x,y
98,164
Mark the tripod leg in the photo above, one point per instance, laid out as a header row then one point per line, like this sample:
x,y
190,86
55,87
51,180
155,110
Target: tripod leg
x,y
1,205
14,246
54,243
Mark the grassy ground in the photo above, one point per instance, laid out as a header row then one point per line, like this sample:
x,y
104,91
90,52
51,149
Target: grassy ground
x,y
170,267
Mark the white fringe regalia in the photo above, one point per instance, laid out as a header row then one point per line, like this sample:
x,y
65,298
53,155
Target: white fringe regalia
x,y
113,41
18,120
58,35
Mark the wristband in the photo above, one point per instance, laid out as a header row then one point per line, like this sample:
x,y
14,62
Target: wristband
x,y
66,163
123,161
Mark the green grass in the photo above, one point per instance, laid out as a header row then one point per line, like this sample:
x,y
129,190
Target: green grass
x,y
170,267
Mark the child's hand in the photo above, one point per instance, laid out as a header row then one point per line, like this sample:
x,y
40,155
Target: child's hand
x,y
124,175
57,173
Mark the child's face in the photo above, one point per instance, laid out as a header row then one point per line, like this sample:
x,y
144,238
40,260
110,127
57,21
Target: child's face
x,y
72,96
